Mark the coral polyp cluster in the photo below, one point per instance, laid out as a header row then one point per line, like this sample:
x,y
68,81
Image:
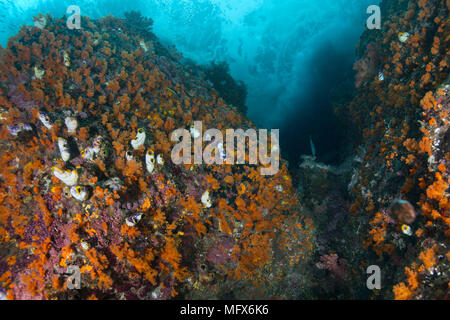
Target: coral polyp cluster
x,y
87,180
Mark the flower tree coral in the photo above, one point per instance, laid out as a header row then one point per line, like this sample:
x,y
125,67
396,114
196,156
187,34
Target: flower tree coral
x,y
132,233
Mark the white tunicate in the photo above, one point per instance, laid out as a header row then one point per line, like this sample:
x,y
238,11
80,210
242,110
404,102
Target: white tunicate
x,y
68,177
96,144
66,59
38,73
131,221
78,192
143,46
3,295
150,161
139,140
40,23
403,36
71,124
63,149
88,153
45,119
206,200
407,230
129,156
159,159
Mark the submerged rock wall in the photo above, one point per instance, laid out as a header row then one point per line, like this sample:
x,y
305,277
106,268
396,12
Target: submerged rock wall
x,y
399,184
87,179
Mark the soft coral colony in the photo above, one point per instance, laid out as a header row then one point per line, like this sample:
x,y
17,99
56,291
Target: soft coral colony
x,y
402,107
87,181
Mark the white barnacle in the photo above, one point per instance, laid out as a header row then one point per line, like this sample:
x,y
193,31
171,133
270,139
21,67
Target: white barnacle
x,y
63,149
45,119
139,140
150,161
68,177
206,200
71,124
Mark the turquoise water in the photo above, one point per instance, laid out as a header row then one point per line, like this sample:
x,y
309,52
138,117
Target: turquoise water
x,y
269,44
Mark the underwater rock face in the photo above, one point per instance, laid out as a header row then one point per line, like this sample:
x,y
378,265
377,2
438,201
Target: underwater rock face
x,y
91,184
395,215
399,190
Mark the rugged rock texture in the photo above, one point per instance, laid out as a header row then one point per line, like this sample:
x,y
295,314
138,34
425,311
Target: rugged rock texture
x,y
138,234
396,211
